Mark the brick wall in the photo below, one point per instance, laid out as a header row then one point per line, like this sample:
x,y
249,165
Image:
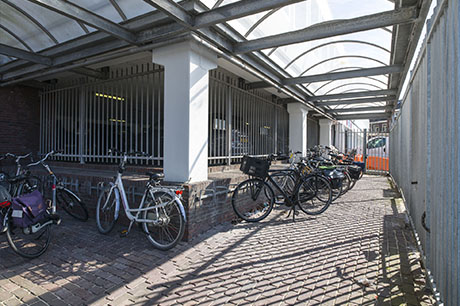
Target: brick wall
x,y
19,119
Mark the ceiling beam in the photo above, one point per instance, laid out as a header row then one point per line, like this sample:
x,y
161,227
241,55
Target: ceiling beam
x,y
330,29
369,93
174,10
334,76
25,55
343,75
78,13
357,101
237,10
359,109
90,72
382,115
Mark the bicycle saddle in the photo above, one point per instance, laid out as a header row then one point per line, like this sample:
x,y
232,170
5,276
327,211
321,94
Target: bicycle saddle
x,y
155,176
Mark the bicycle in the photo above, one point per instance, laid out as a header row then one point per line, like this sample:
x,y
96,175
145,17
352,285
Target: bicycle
x,y
30,241
160,211
66,198
23,181
253,199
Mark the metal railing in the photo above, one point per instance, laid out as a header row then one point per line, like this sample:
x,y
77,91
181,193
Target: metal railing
x,y
243,121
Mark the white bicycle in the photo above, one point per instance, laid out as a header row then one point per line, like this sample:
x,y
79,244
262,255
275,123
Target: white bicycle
x,y
161,211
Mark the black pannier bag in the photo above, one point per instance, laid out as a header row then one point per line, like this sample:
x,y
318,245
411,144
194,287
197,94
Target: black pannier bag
x,y
355,172
255,166
335,177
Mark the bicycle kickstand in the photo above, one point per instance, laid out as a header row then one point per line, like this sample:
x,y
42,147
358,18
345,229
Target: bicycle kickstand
x,y
294,213
125,233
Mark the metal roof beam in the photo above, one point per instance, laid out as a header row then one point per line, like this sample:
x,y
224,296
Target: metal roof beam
x,y
334,76
369,93
25,55
357,101
330,29
359,109
364,116
90,72
343,75
78,13
174,10
237,10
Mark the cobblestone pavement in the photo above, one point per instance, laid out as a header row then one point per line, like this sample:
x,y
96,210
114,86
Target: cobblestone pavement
x,y
360,251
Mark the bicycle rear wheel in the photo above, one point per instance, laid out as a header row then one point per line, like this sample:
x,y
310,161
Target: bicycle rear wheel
x,y
252,200
72,205
28,245
314,195
166,225
106,209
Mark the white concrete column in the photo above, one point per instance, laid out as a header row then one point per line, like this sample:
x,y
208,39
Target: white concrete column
x,y
325,132
298,127
186,97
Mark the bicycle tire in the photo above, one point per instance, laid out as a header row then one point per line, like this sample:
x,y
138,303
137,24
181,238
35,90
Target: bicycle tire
x,y
315,192
72,205
250,202
25,247
346,183
106,197
353,183
168,224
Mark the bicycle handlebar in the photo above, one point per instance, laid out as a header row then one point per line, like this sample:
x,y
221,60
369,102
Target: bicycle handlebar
x,y
44,158
17,157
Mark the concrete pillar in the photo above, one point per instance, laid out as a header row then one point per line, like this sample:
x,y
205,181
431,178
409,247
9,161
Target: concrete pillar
x,y
325,132
298,127
186,85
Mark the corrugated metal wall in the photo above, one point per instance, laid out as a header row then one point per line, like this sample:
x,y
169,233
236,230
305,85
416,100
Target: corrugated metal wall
x,y
425,151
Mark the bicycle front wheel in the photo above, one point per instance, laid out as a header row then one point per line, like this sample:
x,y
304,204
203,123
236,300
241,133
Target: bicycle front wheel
x,y
314,195
252,200
72,205
106,209
163,222
28,245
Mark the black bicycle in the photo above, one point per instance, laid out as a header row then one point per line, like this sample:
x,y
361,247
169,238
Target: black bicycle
x,y
22,181
253,199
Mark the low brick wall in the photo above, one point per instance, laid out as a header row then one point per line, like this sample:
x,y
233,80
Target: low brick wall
x,y
207,204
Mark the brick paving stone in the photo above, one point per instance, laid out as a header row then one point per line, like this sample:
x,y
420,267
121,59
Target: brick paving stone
x,y
315,261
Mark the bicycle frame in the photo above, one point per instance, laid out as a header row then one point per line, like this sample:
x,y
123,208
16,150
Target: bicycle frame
x,y
297,185
133,213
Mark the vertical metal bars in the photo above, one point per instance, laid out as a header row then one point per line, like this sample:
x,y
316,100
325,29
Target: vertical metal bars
x,y
242,121
86,118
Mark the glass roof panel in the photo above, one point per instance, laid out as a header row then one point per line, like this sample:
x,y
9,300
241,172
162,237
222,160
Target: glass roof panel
x,y
131,10
102,8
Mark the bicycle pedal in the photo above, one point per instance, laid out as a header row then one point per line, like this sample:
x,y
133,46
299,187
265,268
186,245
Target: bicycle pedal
x,y
124,233
55,218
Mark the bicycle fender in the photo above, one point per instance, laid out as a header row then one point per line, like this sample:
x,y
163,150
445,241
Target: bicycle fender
x,y
117,196
69,191
181,207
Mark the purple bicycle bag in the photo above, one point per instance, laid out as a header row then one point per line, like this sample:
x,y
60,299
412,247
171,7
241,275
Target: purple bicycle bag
x,y
28,209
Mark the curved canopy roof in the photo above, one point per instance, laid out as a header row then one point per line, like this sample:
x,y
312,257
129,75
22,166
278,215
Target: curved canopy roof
x,y
332,55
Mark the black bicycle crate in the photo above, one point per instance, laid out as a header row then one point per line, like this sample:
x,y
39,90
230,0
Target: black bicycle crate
x,y
255,166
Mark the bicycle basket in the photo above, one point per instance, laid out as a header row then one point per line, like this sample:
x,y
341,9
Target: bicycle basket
x,y
255,166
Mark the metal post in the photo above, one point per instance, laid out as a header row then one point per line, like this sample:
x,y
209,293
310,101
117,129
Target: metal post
x,y
82,124
365,149
229,125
